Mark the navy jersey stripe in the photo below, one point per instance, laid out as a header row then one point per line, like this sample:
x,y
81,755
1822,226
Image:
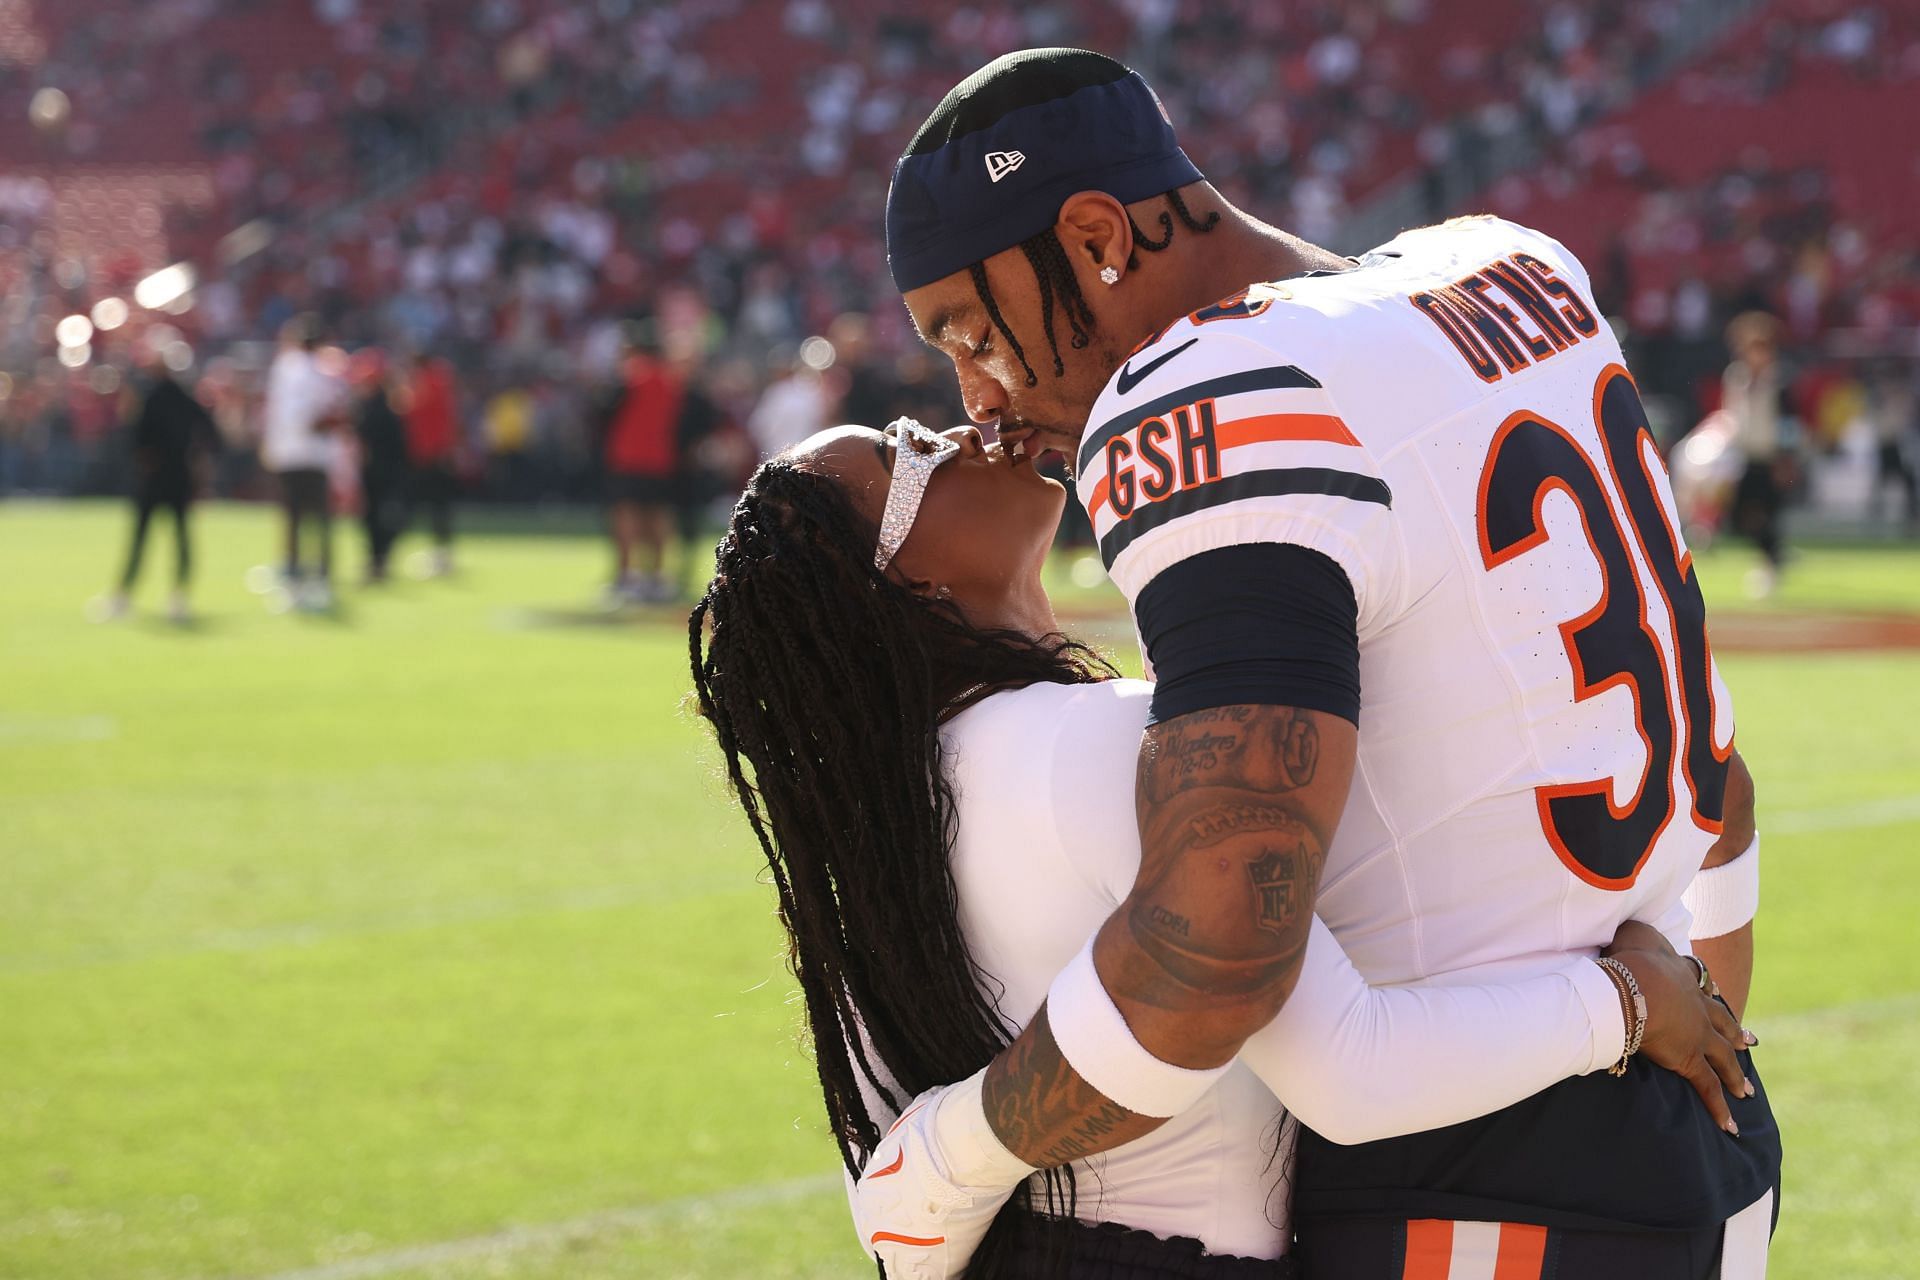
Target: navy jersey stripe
x,y
1276,378
1251,484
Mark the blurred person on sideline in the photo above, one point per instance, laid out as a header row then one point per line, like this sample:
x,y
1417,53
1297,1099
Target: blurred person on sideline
x,y
304,415
922,390
507,425
172,434
1756,393
1896,426
641,456
794,406
383,459
433,441
699,473
871,394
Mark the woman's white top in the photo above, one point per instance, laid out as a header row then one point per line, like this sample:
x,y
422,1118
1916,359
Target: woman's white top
x,y
1047,847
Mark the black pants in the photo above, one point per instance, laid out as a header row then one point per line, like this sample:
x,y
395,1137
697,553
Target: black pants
x,y
1374,1249
144,504
1026,1246
1895,466
433,487
384,513
1757,503
304,499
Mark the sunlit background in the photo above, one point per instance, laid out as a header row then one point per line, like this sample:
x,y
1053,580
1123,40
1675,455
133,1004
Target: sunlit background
x,y
402,930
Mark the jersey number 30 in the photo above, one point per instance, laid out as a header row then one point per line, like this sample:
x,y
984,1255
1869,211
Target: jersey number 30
x,y
1613,644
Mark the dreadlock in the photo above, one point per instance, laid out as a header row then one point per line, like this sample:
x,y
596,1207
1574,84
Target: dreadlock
x,y
826,683
1187,220
1049,262
978,270
1054,273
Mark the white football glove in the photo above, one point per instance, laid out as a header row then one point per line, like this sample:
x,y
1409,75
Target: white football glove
x,y
933,1185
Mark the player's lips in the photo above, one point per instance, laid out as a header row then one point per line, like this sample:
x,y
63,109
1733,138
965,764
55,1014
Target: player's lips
x,y
1012,436
1029,442
1022,465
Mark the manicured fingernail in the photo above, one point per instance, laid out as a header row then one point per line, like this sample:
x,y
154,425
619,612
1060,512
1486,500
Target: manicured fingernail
x,y
1732,1128
1749,1084
1752,1039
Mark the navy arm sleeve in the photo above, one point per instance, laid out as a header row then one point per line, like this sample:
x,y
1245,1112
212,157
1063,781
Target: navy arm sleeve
x,y
1264,623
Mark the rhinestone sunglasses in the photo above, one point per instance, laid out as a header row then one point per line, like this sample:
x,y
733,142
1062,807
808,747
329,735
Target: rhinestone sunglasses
x,y
917,451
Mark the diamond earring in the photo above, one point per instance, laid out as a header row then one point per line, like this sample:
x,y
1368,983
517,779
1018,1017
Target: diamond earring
x,y
1110,275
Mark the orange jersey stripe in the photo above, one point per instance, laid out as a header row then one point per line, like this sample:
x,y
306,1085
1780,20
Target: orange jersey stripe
x,y
1523,1252
923,1241
1429,1249
1102,494
1284,426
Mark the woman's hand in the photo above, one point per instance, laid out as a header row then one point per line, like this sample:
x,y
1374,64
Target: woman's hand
x,y
1688,1031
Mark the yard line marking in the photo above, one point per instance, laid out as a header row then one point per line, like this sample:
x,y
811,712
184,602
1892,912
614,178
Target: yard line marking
x,y
1841,817
1890,811
34,731
1805,1020
304,933
587,1226
761,1195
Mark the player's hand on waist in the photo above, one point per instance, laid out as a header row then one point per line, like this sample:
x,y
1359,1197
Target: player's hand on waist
x,y
934,1184
1689,1031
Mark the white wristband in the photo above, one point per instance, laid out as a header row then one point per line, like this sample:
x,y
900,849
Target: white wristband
x,y
968,1151
1725,897
1094,1037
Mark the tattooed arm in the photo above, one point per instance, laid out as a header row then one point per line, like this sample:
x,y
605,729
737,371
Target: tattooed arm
x,y
1237,806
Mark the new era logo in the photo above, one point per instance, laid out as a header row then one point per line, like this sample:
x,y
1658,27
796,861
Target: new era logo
x,y
1002,163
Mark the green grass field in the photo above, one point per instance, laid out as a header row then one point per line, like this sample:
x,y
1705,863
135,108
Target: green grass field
x,y
422,942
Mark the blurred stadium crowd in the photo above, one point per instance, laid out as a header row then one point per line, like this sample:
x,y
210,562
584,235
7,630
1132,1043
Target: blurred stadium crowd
x,y
523,189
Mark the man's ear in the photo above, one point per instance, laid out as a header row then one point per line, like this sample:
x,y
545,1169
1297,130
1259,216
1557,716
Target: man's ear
x,y
1094,230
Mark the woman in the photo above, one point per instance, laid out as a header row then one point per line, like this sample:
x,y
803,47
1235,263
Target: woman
x,y
943,784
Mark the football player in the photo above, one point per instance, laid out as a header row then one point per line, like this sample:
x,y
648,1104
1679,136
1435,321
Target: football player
x,y
1432,661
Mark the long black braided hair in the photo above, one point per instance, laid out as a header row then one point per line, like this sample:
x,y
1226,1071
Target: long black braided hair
x,y
826,684
1054,274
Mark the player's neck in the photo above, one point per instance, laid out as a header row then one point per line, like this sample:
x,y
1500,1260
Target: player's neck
x,y
1239,251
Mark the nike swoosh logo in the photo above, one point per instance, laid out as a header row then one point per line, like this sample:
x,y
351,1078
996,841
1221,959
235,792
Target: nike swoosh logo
x,y
1130,378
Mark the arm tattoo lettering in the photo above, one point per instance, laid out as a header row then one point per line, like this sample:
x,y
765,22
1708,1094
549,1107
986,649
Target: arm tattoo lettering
x,y
1214,825
1275,752
1170,922
1189,755
1043,1112
1084,1138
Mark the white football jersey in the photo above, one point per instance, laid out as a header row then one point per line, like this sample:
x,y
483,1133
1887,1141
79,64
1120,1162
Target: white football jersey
x,y
1042,856
1543,739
